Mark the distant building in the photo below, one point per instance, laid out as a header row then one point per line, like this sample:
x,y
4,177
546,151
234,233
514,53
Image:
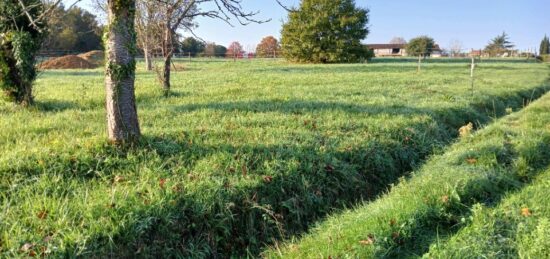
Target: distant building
x,y
398,50
437,52
388,50
476,53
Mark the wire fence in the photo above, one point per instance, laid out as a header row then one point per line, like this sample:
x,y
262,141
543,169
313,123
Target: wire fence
x,y
379,53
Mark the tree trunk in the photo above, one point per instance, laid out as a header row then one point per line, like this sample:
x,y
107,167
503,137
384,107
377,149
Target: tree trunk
x,y
26,97
148,59
122,119
166,74
168,52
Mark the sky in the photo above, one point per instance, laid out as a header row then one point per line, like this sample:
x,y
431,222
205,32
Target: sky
x,y
472,22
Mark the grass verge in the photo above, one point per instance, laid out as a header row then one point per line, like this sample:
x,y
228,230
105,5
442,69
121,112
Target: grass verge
x,y
519,227
444,196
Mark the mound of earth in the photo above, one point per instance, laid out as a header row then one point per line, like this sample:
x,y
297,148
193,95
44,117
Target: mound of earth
x,y
95,56
67,62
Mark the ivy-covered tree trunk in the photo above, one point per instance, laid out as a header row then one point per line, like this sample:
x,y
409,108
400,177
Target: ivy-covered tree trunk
x,y
20,41
122,119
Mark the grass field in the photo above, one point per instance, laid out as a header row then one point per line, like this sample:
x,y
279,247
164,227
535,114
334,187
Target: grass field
x,y
241,155
477,200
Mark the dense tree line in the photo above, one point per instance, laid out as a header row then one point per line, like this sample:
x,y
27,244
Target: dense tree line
x,y
545,46
72,30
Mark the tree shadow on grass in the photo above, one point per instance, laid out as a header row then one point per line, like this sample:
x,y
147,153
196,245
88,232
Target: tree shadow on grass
x,y
55,106
289,186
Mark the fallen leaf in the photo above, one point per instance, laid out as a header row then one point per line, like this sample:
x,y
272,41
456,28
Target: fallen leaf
x,y
245,170
471,161
445,199
26,247
42,214
268,178
118,179
395,235
393,222
162,182
466,130
366,242
47,239
369,241
525,212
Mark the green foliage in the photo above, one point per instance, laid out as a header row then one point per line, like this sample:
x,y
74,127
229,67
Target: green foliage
x,y
545,46
499,45
451,193
193,46
19,43
214,50
420,46
230,163
325,31
74,30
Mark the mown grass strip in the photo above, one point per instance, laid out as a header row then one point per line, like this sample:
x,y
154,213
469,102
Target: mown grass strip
x,y
437,200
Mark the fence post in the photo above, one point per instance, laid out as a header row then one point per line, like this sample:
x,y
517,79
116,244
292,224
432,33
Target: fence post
x,y
473,66
419,61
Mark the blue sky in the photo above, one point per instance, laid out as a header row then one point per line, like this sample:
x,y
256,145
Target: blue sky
x,y
473,22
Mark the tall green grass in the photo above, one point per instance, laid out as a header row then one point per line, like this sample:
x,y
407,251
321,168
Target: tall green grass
x,y
447,195
519,227
240,155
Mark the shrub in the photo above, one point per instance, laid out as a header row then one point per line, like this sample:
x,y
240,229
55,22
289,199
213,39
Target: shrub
x,y
325,31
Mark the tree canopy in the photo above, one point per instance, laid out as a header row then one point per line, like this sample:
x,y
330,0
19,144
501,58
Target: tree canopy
x,y
268,47
214,50
73,30
499,45
398,40
545,46
420,46
325,31
193,46
234,49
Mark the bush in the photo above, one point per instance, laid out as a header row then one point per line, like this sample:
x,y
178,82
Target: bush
x,y
544,58
422,45
325,31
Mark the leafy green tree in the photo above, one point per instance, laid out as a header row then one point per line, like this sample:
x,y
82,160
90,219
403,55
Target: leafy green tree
x,y
21,34
325,31
545,46
193,46
74,30
420,46
214,50
499,45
